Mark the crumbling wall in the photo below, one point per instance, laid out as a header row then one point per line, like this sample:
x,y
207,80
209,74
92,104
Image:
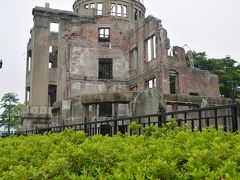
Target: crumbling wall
x,y
84,55
147,102
193,81
146,68
188,81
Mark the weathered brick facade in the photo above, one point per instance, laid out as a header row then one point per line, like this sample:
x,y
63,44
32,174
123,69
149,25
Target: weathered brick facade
x,y
106,60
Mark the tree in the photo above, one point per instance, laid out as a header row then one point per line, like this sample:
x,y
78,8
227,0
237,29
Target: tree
x,y
10,116
227,69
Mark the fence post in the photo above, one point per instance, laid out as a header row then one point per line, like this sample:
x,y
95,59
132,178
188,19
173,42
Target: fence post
x,y
115,126
140,129
216,118
160,119
234,118
179,122
200,120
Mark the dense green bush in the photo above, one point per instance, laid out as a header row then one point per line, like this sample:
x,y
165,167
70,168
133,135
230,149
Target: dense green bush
x,y
166,153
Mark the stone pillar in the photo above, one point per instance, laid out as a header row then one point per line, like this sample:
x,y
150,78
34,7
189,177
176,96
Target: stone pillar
x,y
86,113
94,111
40,59
130,108
63,56
106,7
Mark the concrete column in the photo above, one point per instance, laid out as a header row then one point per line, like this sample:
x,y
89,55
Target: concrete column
x,y
94,111
130,108
40,59
62,58
106,7
86,112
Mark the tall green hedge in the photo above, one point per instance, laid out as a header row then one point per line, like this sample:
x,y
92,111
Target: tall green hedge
x,y
167,153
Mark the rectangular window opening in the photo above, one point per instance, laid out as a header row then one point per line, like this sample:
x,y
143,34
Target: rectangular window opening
x,y
52,94
29,60
151,48
154,46
119,10
151,83
140,14
135,14
173,82
53,56
92,5
105,69
99,8
103,34
50,65
54,27
50,49
124,11
105,109
194,94
113,9
27,95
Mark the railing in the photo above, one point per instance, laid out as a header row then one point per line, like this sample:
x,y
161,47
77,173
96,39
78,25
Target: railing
x,y
226,116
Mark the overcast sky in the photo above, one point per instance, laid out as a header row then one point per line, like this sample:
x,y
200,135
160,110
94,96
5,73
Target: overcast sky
x,y
212,26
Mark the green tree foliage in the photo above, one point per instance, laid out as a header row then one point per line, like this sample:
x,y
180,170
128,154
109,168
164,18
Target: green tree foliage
x,y
11,110
166,153
226,68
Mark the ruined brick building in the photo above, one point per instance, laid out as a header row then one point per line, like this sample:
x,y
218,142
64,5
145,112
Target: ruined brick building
x,y
104,60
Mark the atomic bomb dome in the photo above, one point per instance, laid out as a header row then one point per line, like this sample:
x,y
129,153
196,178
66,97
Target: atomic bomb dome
x,y
106,59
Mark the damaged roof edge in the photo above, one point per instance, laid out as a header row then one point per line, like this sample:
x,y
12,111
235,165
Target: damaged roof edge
x,y
52,11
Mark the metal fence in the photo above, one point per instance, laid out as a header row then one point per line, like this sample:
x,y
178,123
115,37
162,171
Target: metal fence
x,y
226,116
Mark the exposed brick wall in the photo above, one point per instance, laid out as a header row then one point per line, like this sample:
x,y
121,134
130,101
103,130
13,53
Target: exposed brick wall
x,y
188,80
85,51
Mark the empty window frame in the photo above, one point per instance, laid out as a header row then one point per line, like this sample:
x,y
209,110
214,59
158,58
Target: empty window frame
x,y
118,10
29,60
194,94
135,15
105,109
99,9
140,14
151,48
92,5
173,82
113,9
27,96
103,34
97,6
105,68
53,55
124,11
52,94
54,27
151,83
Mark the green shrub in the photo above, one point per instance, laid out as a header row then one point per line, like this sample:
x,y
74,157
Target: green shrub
x,y
134,127
166,153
